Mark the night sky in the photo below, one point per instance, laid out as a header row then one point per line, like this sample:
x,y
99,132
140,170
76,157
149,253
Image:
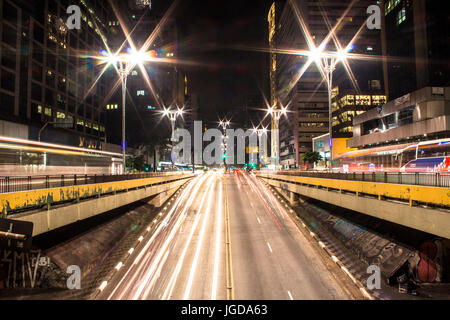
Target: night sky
x,y
211,30
214,35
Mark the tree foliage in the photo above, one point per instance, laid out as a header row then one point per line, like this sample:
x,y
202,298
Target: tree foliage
x,y
311,157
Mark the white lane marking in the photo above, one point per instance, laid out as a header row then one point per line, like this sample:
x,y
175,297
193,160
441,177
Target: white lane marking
x,y
103,285
336,260
130,251
119,265
270,248
290,295
259,221
348,273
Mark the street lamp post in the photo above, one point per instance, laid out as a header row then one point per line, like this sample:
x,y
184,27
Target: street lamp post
x,y
124,64
172,115
173,119
224,125
260,133
330,66
327,62
124,70
276,116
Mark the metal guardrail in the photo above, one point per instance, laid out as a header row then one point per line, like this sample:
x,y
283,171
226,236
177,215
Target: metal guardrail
x,y
18,184
419,179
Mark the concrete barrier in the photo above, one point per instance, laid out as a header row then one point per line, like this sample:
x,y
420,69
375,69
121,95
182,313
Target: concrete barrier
x,y
431,220
56,217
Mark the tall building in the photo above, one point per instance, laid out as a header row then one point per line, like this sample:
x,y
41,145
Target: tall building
x,y
45,75
304,90
416,34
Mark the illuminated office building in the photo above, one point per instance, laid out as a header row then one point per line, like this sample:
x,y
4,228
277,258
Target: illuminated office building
x,y
416,33
45,75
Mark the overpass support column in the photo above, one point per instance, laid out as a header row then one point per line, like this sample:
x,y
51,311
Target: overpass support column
x,y
290,196
293,199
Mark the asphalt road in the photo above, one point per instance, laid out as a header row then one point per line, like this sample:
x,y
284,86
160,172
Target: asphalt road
x,y
224,237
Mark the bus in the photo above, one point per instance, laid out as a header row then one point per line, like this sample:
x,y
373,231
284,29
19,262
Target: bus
x,y
20,157
425,156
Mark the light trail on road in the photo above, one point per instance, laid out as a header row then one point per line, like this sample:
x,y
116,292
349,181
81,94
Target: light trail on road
x,y
227,249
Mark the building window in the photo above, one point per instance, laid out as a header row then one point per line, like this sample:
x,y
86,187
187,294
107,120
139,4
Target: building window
x,y
9,35
377,100
48,112
401,16
8,80
374,84
141,93
363,101
112,107
312,124
347,100
9,13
